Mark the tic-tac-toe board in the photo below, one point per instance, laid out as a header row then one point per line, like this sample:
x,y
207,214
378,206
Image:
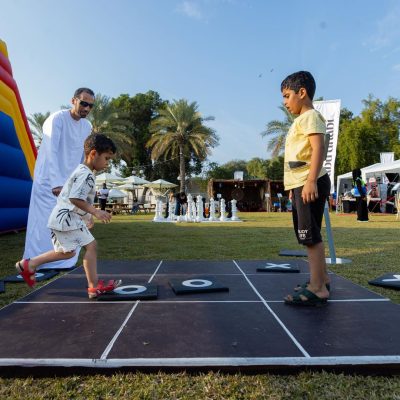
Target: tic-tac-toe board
x,y
245,326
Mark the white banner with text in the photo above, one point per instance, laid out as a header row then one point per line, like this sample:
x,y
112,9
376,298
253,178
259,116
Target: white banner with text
x,y
330,110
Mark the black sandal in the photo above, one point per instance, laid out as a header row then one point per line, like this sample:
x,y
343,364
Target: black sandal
x,y
304,286
312,300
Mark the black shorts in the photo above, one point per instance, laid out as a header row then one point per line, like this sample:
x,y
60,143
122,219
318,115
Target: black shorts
x,y
307,218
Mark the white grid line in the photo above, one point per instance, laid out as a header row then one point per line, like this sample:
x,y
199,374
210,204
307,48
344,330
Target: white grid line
x,y
299,346
114,339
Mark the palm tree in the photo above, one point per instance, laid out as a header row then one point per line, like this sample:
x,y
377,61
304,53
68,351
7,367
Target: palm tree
x,y
106,119
178,131
36,121
278,130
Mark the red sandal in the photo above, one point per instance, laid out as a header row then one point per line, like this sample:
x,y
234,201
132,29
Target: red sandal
x,y
101,288
27,275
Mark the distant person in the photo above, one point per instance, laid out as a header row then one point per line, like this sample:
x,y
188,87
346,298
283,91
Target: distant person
x,y
181,203
170,199
72,217
135,206
308,183
64,133
103,196
359,191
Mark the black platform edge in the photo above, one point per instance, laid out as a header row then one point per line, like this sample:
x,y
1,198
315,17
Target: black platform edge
x,y
293,253
278,270
48,269
346,365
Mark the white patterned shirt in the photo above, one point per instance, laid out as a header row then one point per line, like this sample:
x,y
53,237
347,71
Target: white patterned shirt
x,y
65,215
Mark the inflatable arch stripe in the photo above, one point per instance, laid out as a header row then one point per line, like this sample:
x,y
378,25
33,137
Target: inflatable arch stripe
x,y
17,151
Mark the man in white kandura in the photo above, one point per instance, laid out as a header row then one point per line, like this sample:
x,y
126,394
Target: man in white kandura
x,y
64,133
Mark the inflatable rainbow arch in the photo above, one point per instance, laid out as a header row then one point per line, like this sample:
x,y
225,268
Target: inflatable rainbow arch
x,y
17,152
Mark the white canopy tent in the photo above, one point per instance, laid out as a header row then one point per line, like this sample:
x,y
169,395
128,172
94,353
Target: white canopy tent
x,y
344,182
374,170
384,168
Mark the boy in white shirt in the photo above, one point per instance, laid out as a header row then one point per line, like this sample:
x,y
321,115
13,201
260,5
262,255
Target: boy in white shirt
x,y
73,215
308,182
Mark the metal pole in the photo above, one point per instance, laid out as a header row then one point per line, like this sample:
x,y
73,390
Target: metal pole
x,y
332,252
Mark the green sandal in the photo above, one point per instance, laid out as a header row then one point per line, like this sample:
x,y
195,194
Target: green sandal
x,y
312,299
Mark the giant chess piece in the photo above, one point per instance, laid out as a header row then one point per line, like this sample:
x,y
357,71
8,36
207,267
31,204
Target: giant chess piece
x,y
193,211
189,209
222,215
171,214
212,216
158,212
234,211
200,209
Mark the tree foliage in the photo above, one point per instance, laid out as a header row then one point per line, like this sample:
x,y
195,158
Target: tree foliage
x,y
257,168
113,122
141,109
36,121
363,138
277,131
179,132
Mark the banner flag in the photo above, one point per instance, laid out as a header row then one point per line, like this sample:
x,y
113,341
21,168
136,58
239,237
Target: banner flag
x,y
330,110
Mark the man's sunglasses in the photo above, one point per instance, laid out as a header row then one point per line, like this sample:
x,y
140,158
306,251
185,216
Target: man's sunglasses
x,y
85,103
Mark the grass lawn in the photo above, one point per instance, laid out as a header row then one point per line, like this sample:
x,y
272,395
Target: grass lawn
x,y
373,248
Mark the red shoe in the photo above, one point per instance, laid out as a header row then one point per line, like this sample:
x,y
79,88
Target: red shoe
x,y
23,270
101,288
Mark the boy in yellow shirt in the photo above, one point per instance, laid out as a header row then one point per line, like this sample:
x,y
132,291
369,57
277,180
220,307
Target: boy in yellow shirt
x,y
308,182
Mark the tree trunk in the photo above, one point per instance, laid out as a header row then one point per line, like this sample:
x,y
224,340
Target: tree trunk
x,y
182,168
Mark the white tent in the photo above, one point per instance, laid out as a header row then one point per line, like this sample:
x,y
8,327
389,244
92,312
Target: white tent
x,y
392,167
377,169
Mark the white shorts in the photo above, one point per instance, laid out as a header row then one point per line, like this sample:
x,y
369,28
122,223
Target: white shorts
x,y
64,242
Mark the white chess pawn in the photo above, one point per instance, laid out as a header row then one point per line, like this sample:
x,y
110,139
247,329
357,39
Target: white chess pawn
x,y
222,211
188,216
158,212
212,210
200,209
171,210
234,211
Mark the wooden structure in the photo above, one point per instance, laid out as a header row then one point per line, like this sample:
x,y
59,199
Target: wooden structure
x,y
251,195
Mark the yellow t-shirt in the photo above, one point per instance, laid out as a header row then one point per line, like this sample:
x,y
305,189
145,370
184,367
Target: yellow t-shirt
x,y
298,149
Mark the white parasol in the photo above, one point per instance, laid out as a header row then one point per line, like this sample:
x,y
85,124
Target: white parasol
x,y
108,177
160,184
116,194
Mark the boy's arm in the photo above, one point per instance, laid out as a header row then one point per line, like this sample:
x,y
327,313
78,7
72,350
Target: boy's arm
x,y
85,206
310,190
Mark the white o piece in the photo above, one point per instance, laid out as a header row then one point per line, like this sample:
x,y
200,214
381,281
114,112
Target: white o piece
x,y
130,289
197,283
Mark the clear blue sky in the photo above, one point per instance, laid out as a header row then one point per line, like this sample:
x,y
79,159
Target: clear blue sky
x,y
227,55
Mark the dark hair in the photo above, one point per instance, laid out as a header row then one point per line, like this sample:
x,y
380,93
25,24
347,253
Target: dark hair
x,y
356,173
298,80
99,142
83,90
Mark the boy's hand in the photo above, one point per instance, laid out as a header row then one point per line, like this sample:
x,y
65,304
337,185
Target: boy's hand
x,y
103,216
309,192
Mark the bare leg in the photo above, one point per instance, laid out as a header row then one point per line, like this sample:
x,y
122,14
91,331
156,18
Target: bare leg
x,y
318,272
90,264
47,257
